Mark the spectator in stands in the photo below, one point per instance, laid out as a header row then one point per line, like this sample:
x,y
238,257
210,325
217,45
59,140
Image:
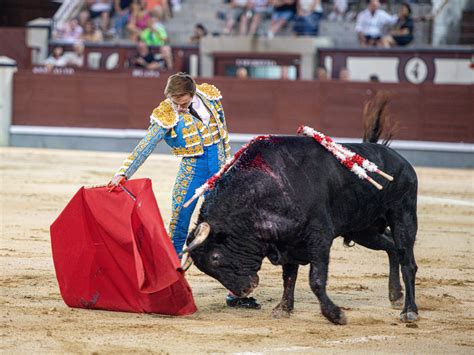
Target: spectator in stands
x,y
69,31
56,59
338,11
223,11
370,23
75,58
258,9
198,33
167,54
175,6
322,74
285,72
145,58
91,33
402,33
159,7
155,35
309,13
83,17
344,74
239,15
138,19
102,9
283,12
241,73
122,15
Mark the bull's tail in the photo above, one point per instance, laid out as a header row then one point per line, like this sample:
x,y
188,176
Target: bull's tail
x,y
376,120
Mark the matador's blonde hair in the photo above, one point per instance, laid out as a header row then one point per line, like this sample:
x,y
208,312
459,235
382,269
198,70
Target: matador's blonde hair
x,y
180,84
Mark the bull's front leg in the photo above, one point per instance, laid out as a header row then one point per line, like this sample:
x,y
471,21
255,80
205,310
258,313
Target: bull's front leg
x,y
317,280
285,307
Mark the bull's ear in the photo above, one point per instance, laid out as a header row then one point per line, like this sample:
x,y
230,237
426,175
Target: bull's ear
x,y
274,255
270,226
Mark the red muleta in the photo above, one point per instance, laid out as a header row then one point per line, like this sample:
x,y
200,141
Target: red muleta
x,y
111,252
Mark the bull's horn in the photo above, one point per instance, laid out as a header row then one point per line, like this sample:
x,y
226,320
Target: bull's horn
x,y
186,262
202,231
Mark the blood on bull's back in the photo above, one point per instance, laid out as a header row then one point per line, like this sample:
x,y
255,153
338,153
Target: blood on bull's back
x,y
300,175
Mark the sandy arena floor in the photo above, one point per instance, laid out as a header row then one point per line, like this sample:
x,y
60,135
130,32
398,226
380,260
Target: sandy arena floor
x,y
36,185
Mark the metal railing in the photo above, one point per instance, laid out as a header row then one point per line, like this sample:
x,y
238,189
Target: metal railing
x,y
66,11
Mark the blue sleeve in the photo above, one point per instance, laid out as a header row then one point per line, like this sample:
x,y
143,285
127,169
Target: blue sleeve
x,y
144,148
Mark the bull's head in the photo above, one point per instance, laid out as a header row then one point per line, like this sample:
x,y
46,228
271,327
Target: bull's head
x,y
231,261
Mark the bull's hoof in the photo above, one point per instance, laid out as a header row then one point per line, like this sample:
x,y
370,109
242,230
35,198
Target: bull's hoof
x,y
281,311
340,320
398,303
409,317
336,316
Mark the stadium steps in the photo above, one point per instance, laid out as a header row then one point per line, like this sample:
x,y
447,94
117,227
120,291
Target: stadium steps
x,y
467,27
180,27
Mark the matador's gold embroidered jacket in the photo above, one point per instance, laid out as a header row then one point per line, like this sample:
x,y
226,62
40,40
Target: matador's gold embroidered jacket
x,y
186,135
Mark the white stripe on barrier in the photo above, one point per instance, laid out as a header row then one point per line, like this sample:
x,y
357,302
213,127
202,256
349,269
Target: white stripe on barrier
x,y
78,132
234,137
432,200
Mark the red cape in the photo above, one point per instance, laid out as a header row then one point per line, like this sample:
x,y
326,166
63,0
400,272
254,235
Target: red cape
x,y
111,252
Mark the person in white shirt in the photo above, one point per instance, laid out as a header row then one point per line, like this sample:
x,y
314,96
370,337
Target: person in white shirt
x,y
370,23
339,10
75,58
56,59
68,32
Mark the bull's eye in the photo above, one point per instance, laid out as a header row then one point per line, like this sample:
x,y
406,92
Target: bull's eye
x,y
215,259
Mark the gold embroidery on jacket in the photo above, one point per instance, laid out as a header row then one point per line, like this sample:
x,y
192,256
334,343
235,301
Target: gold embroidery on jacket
x,y
188,151
209,91
183,180
196,134
165,115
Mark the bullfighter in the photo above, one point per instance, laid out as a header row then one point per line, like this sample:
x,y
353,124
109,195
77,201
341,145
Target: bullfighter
x,y
191,120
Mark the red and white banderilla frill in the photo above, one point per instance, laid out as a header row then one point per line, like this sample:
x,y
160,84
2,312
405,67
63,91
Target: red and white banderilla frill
x,y
352,161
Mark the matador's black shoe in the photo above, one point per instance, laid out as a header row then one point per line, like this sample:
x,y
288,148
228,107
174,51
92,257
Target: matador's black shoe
x,y
244,302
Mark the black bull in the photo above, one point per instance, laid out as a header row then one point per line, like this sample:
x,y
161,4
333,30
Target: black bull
x,y
287,199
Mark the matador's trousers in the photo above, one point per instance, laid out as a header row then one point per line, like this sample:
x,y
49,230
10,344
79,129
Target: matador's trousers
x,y
193,172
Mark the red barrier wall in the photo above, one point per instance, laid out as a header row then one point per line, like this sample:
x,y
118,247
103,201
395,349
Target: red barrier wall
x,y
13,45
425,112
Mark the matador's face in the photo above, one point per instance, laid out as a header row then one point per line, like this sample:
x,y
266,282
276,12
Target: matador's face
x,y
181,103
